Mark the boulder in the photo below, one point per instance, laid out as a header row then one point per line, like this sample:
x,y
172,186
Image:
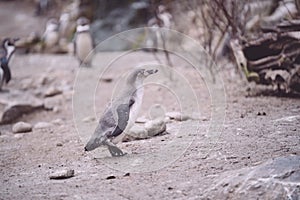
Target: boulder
x,y
278,178
15,104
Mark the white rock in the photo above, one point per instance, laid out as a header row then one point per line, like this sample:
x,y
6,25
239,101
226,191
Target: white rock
x,y
155,127
135,133
22,127
62,174
42,125
177,116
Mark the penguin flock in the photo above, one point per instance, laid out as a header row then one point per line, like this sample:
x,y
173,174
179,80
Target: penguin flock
x,y
57,32
82,42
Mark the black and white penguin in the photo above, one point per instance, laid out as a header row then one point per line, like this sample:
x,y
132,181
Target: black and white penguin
x,y
83,42
6,51
121,114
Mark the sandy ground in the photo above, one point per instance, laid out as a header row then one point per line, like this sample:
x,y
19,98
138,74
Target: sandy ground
x,y
155,168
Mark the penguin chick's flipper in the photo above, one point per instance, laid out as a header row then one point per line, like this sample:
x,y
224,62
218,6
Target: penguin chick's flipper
x,y
114,150
6,70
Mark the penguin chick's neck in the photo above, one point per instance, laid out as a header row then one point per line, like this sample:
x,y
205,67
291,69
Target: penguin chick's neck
x,y
51,28
9,50
83,28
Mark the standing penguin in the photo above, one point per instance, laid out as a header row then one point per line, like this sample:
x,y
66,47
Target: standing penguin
x,y
6,51
121,114
83,42
51,35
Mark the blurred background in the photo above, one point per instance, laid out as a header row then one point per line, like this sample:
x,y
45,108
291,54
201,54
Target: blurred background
x,y
259,37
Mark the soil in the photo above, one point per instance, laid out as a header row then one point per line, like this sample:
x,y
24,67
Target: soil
x,y
256,128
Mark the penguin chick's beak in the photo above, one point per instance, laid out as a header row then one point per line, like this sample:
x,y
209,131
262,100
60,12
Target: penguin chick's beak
x,y
151,71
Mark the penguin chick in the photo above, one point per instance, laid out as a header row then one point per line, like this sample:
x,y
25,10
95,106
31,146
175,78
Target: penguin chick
x,y
83,42
51,35
121,114
6,51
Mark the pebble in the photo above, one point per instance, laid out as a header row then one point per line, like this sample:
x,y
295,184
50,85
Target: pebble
x,y
22,127
110,177
62,174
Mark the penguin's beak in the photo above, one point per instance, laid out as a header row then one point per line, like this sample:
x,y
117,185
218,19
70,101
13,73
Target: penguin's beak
x,y
151,71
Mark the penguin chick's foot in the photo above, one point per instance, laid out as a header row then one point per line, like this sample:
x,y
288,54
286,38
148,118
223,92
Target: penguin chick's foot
x,y
115,151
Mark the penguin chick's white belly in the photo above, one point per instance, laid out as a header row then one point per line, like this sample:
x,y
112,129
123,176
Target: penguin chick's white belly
x,y
84,46
51,39
1,77
133,114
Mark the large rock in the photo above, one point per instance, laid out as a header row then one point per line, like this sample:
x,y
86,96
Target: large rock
x,y
15,104
275,179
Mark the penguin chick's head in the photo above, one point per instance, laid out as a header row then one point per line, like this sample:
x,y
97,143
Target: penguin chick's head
x,y
140,74
52,25
83,24
9,45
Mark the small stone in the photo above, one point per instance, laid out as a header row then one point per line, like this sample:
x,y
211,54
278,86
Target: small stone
x,y
42,125
106,79
110,177
59,144
174,115
258,113
62,174
170,188
52,91
177,116
127,174
22,127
